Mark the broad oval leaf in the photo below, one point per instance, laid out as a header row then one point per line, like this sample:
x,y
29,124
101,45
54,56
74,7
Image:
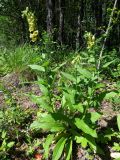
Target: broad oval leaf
x,y
47,123
69,76
84,72
35,125
42,101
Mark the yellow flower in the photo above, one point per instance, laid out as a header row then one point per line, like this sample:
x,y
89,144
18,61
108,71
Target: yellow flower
x,y
30,20
35,33
32,24
31,29
93,38
90,40
34,39
31,35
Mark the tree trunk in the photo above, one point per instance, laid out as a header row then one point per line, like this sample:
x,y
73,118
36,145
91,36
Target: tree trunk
x,y
98,15
78,33
118,29
49,6
79,25
61,21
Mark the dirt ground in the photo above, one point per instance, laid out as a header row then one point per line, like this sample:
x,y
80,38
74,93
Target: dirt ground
x,y
12,86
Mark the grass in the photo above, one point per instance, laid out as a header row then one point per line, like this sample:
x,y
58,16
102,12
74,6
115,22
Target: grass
x,y
17,60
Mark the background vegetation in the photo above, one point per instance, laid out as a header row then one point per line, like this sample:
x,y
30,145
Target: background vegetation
x,y
59,80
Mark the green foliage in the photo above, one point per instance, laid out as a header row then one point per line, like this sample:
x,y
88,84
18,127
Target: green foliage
x,y
69,91
53,51
65,114
32,146
116,98
14,124
47,144
110,64
18,60
116,147
5,145
70,84
9,35
12,118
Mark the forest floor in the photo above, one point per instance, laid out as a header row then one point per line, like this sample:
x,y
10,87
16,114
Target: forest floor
x,y
19,92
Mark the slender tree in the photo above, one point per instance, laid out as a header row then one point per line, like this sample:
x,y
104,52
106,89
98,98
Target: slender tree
x,y
79,24
106,34
49,6
71,18
61,20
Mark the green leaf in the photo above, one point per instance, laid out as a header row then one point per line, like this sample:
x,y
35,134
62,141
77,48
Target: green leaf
x,y
69,149
94,116
47,123
81,140
42,101
79,107
108,63
69,76
59,116
118,121
90,91
35,125
91,141
3,134
109,133
85,73
57,68
47,143
41,81
111,95
99,85
117,159
63,102
85,127
59,149
44,89
11,144
69,97
116,147
37,67
1,115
